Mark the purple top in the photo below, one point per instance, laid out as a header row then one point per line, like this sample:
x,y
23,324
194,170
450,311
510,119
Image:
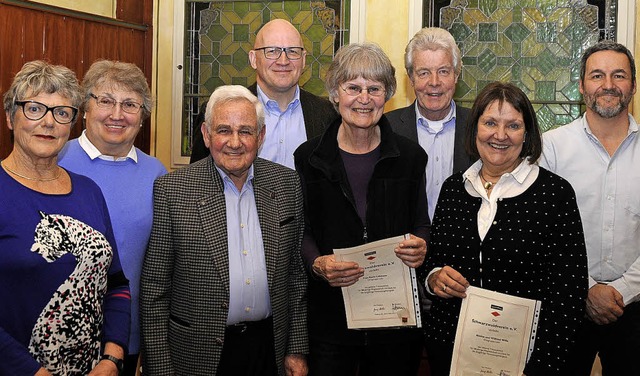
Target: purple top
x,y
63,289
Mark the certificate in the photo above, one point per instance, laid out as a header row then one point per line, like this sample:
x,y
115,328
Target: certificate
x,y
387,295
495,334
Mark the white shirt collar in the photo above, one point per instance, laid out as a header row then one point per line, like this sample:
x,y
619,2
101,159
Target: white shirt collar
x,y
93,152
510,184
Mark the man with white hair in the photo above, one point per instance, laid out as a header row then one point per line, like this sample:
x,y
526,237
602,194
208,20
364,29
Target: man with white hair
x,y
223,285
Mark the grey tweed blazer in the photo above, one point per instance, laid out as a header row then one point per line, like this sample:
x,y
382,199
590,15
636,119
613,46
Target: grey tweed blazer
x,y
184,293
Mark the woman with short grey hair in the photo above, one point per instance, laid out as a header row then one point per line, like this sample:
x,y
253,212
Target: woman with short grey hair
x,y
362,183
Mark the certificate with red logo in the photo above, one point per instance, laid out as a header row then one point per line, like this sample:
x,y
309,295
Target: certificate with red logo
x,y
495,333
387,295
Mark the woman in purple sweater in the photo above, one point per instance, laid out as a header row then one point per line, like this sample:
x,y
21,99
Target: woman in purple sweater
x,y
66,301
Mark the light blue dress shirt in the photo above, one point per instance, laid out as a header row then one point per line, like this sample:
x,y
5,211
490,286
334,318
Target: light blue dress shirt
x,y
437,138
285,131
608,193
248,286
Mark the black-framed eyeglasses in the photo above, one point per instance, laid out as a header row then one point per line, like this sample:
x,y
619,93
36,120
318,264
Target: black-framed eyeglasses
x,y
130,107
355,90
274,53
33,110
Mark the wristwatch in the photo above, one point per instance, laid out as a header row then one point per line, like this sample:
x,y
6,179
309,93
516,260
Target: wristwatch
x,y
118,362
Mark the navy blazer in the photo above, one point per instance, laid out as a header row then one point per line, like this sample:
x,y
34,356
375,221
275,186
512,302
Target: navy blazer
x,y
317,112
404,122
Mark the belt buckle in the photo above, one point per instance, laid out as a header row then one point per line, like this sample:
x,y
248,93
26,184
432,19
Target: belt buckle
x,y
242,327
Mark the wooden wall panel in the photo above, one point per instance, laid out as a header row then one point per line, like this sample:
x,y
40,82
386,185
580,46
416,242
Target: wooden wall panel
x,y
131,11
29,32
62,43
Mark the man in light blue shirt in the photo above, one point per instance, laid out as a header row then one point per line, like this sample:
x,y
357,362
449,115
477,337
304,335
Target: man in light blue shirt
x,y
285,129
599,154
433,63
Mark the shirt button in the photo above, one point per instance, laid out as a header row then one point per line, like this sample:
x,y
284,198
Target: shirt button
x,y
245,252
247,309
241,225
225,305
495,222
480,270
248,281
281,141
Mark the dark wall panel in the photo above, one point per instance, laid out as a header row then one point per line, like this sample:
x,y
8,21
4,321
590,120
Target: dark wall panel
x,y
30,31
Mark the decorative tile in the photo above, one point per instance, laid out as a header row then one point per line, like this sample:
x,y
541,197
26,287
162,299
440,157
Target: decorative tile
x,y
487,32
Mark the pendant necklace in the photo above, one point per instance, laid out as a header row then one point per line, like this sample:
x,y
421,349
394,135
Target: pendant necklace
x,y
487,184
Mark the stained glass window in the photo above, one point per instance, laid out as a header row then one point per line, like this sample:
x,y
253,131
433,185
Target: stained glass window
x,y
535,44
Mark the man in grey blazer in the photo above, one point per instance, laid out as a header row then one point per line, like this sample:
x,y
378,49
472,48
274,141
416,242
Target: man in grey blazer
x,y
223,287
293,114
433,64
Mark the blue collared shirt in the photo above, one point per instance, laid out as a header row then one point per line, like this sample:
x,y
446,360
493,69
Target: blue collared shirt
x,y
437,138
608,198
248,286
285,131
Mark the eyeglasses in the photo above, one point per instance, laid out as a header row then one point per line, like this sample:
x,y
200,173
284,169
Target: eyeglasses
x,y
33,110
355,90
129,107
274,53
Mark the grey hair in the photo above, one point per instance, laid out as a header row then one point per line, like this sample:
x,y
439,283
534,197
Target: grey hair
x,y
37,77
366,60
117,74
229,93
433,38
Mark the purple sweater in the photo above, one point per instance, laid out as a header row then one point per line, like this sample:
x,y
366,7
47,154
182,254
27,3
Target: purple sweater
x,y
61,282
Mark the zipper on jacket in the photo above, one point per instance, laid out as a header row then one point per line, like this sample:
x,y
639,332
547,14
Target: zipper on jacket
x,y
365,235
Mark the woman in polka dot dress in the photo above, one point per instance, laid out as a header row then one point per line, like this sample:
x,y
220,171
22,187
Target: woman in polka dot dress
x,y
510,226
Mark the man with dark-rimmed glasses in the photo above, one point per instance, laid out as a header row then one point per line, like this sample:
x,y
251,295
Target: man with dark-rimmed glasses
x,y
293,115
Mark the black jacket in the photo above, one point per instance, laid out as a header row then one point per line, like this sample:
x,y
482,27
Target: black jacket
x,y
396,204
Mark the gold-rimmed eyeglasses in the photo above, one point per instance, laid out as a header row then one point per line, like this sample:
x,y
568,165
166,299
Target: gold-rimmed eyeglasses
x,y
130,107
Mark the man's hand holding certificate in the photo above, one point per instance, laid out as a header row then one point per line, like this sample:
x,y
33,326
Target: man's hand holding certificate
x,y
386,295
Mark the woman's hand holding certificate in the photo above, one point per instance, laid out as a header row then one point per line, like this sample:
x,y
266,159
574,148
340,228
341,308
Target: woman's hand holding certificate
x,y
386,295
